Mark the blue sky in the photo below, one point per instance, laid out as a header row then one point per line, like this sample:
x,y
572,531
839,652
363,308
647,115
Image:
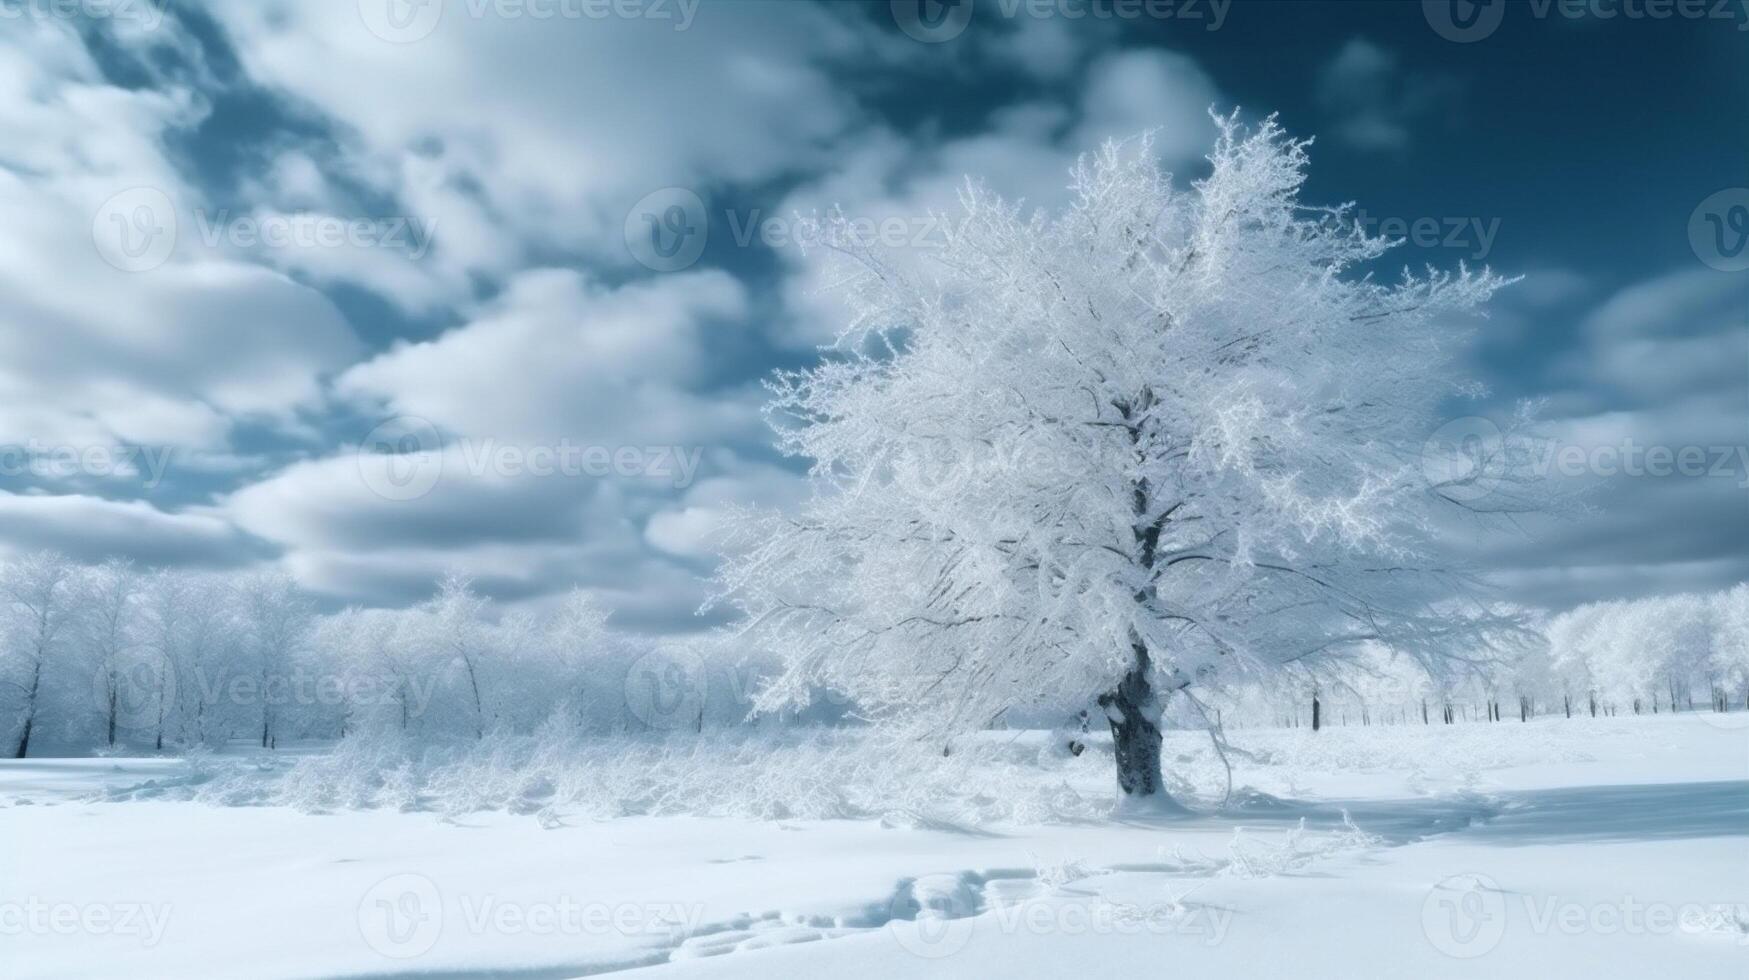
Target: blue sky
x,y
244,236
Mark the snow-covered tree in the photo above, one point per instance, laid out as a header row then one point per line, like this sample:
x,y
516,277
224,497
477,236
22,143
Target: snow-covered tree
x,y
37,592
1158,438
108,626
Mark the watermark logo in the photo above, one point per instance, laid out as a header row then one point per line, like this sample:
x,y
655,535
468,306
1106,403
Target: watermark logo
x,y
401,458
1718,230
932,21
401,916
135,229
1465,459
136,693
1464,916
927,933
1464,21
400,21
666,230
665,689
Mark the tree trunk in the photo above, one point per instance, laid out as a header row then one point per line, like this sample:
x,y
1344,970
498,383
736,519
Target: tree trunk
x,y
479,706
36,678
112,699
1133,710
1317,714
266,713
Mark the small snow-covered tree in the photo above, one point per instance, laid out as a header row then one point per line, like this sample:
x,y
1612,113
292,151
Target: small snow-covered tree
x,y
206,659
1160,437
458,628
377,657
276,619
1685,646
1573,637
1731,643
577,641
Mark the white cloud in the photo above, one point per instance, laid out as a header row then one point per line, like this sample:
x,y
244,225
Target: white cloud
x,y
566,123
559,357
696,528
1025,151
91,354
92,528
1155,90
1375,100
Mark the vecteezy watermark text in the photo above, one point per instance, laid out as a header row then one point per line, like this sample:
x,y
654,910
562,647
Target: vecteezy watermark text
x,y
309,230
144,13
46,461
136,230
407,21
935,21
35,916
1471,457
404,458
405,915
1467,915
1467,21
667,230
1472,236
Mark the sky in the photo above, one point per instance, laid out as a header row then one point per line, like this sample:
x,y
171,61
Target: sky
x,y
373,290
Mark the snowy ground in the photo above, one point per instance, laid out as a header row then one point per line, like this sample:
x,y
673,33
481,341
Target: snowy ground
x,y
1553,849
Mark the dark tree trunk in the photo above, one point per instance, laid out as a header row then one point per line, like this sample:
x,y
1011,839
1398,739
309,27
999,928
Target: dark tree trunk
x,y
1133,710
479,705
1317,714
36,678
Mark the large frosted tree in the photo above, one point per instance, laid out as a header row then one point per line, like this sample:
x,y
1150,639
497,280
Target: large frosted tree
x,y
1162,437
